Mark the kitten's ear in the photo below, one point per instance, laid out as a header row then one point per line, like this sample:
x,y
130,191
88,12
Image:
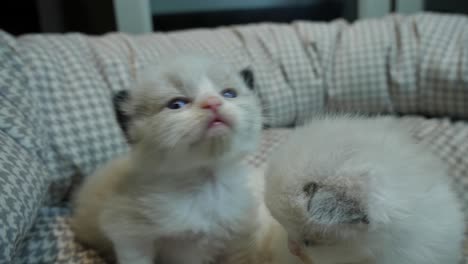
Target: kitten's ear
x,y
123,118
329,206
248,77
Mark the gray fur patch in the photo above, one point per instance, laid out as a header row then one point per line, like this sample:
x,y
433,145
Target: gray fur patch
x,y
328,206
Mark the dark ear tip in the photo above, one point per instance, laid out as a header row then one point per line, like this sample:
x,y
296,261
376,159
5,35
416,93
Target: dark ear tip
x,y
365,220
120,97
122,118
362,220
310,188
248,77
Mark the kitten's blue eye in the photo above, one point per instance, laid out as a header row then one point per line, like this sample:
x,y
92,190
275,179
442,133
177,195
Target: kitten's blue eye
x,y
177,103
229,93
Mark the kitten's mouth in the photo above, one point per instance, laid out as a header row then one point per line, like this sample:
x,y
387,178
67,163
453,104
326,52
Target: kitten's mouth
x,y
216,122
217,125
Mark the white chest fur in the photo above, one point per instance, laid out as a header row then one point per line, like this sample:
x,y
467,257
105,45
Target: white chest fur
x,y
200,205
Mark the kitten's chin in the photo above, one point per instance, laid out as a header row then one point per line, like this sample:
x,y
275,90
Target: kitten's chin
x,y
214,140
215,130
222,147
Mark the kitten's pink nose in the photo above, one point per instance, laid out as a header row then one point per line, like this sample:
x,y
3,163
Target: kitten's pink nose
x,y
212,103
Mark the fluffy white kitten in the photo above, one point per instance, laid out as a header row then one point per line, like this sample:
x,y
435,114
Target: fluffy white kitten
x,y
181,194
352,190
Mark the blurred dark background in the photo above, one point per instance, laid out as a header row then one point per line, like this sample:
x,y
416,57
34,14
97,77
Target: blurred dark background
x,y
99,16
34,16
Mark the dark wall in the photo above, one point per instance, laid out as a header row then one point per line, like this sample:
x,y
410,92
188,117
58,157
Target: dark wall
x,y
89,16
19,17
97,16
325,10
447,6
37,16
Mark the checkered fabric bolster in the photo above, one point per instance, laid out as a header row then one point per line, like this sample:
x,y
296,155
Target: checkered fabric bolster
x,y
23,188
23,176
404,64
18,108
75,104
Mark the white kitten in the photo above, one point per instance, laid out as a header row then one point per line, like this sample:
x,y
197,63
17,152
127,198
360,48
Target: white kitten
x,y
181,194
359,190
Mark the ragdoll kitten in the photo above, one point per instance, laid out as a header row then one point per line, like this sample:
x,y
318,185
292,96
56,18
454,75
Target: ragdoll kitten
x,y
181,194
359,190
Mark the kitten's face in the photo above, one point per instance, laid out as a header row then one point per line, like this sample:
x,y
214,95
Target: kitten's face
x,y
194,107
323,216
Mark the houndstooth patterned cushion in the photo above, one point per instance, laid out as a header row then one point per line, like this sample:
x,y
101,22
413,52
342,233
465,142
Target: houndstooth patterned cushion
x,y
23,188
23,176
18,115
51,240
75,104
410,74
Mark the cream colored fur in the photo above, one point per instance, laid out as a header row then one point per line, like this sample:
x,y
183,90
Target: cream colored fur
x,y
359,190
271,244
181,195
